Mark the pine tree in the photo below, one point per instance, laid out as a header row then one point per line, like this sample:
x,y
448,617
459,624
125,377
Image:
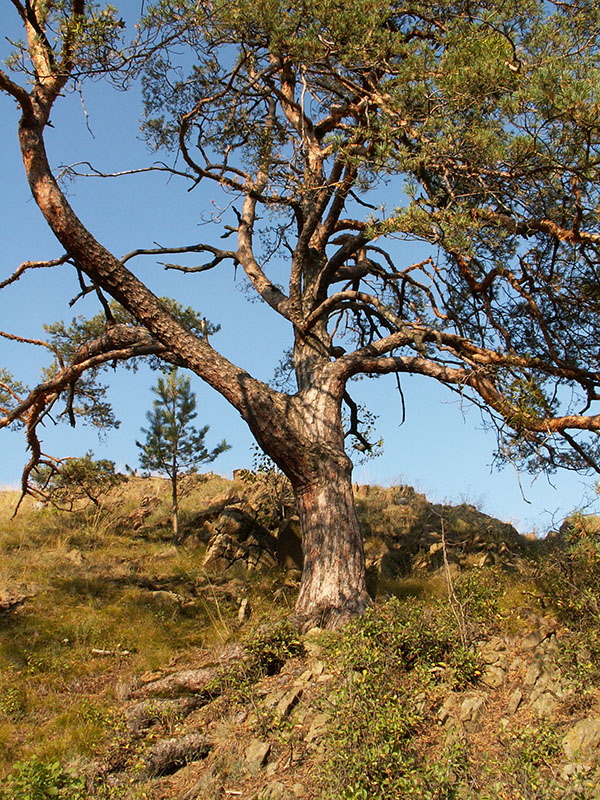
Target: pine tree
x,y
173,446
335,135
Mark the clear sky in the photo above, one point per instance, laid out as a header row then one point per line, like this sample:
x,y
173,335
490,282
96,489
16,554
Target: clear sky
x,y
442,449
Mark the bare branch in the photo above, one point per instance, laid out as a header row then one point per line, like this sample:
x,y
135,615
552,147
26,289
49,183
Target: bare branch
x,y
219,255
69,171
14,338
33,265
16,91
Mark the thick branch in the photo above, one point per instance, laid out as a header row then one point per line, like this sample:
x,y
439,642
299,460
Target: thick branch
x,y
111,275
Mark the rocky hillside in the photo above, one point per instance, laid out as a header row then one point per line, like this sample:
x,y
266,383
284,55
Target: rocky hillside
x,y
132,667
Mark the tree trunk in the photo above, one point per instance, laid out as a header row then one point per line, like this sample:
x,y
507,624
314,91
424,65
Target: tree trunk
x,y
305,437
175,507
333,588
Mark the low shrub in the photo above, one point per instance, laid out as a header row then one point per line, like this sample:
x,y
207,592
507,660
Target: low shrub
x,y
42,780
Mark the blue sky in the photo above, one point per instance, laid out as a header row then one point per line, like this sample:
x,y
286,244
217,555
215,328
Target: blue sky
x,y
441,449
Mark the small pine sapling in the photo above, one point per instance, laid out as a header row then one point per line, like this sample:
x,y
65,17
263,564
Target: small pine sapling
x,y
173,446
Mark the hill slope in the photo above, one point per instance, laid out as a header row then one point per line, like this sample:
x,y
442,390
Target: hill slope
x,y
133,668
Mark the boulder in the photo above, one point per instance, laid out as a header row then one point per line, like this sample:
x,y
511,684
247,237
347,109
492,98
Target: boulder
x,y
238,540
582,742
289,545
257,754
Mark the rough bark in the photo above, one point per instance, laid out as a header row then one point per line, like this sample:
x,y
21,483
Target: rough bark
x,y
311,453
333,587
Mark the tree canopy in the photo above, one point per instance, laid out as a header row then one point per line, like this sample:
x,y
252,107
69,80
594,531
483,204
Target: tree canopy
x,y
481,119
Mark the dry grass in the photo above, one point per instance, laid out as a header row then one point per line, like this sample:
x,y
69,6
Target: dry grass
x,y
89,580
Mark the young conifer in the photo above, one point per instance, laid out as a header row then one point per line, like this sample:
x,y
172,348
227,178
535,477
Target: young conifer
x,y
173,446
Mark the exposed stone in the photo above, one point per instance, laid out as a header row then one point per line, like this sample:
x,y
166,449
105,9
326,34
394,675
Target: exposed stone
x,y
199,523
244,610
471,710
583,740
289,700
494,676
485,560
168,755
239,540
533,673
257,754
514,701
447,709
275,791
317,727
535,638
544,704
493,651
310,674
9,601
288,548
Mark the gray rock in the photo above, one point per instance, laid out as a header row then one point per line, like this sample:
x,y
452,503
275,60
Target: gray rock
x,y
257,754
169,755
582,741
317,728
535,638
289,700
533,673
544,704
494,652
447,709
238,540
244,610
471,710
276,791
494,676
288,548
514,701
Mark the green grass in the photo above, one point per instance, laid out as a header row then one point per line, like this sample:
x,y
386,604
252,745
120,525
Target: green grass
x,y
91,581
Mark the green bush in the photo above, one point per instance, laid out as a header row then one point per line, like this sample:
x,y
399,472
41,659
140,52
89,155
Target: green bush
x,y
570,576
42,780
568,580
269,647
391,661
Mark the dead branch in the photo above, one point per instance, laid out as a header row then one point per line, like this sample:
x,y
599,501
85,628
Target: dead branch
x,y
23,340
26,265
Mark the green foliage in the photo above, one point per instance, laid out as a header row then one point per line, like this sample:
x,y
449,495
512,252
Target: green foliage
x,y
570,575
11,391
74,480
173,445
275,499
43,780
266,650
390,661
269,647
568,579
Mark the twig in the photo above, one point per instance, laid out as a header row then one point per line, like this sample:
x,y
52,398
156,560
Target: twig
x,y
456,606
98,652
32,265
